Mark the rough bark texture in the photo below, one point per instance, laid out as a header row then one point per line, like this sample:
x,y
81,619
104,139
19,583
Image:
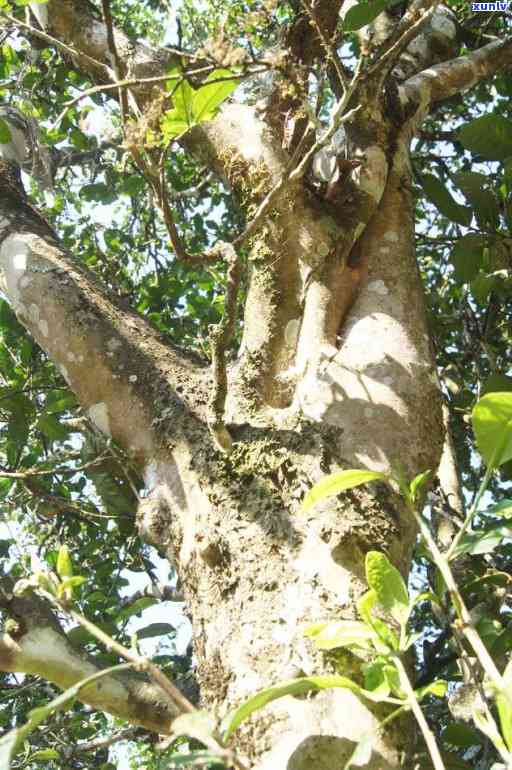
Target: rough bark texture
x,y
335,371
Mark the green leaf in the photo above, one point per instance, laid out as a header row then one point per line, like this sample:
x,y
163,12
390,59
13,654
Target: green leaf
x,y
155,629
5,133
480,542
99,192
438,193
388,585
418,483
44,754
489,136
343,633
438,688
135,607
505,707
467,257
375,679
67,585
52,428
64,565
210,96
503,508
366,604
291,687
461,735
492,426
336,483
183,100
132,185
362,14
172,126
484,202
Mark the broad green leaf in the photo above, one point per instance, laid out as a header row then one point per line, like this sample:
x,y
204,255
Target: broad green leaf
x,y
183,100
173,125
492,426
64,565
155,629
52,428
467,256
375,679
5,134
438,193
291,687
135,607
362,14
366,604
418,483
132,185
461,735
437,688
484,202
210,96
489,136
338,482
393,680
480,542
99,192
343,633
67,585
501,579
388,585
44,754
503,508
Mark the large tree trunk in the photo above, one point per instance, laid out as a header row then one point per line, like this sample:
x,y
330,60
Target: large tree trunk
x,y
335,371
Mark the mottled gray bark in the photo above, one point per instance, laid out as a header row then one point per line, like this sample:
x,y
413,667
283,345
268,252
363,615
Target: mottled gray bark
x,y
335,371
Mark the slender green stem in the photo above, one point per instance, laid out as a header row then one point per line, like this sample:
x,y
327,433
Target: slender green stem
x,y
469,518
465,623
416,709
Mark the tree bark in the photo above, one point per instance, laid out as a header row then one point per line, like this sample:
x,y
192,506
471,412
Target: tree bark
x,y
336,371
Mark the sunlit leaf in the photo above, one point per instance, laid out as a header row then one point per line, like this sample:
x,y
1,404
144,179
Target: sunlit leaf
x,y
388,585
338,482
210,96
492,425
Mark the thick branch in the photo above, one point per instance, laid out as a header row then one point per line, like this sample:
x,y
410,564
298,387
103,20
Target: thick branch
x,y
452,77
36,644
118,366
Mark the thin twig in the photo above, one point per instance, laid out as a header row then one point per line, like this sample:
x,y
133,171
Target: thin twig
x,y
116,61
330,48
142,663
416,709
54,471
387,60
55,42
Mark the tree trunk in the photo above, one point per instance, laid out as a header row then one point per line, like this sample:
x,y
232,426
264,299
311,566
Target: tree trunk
x,y
336,371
